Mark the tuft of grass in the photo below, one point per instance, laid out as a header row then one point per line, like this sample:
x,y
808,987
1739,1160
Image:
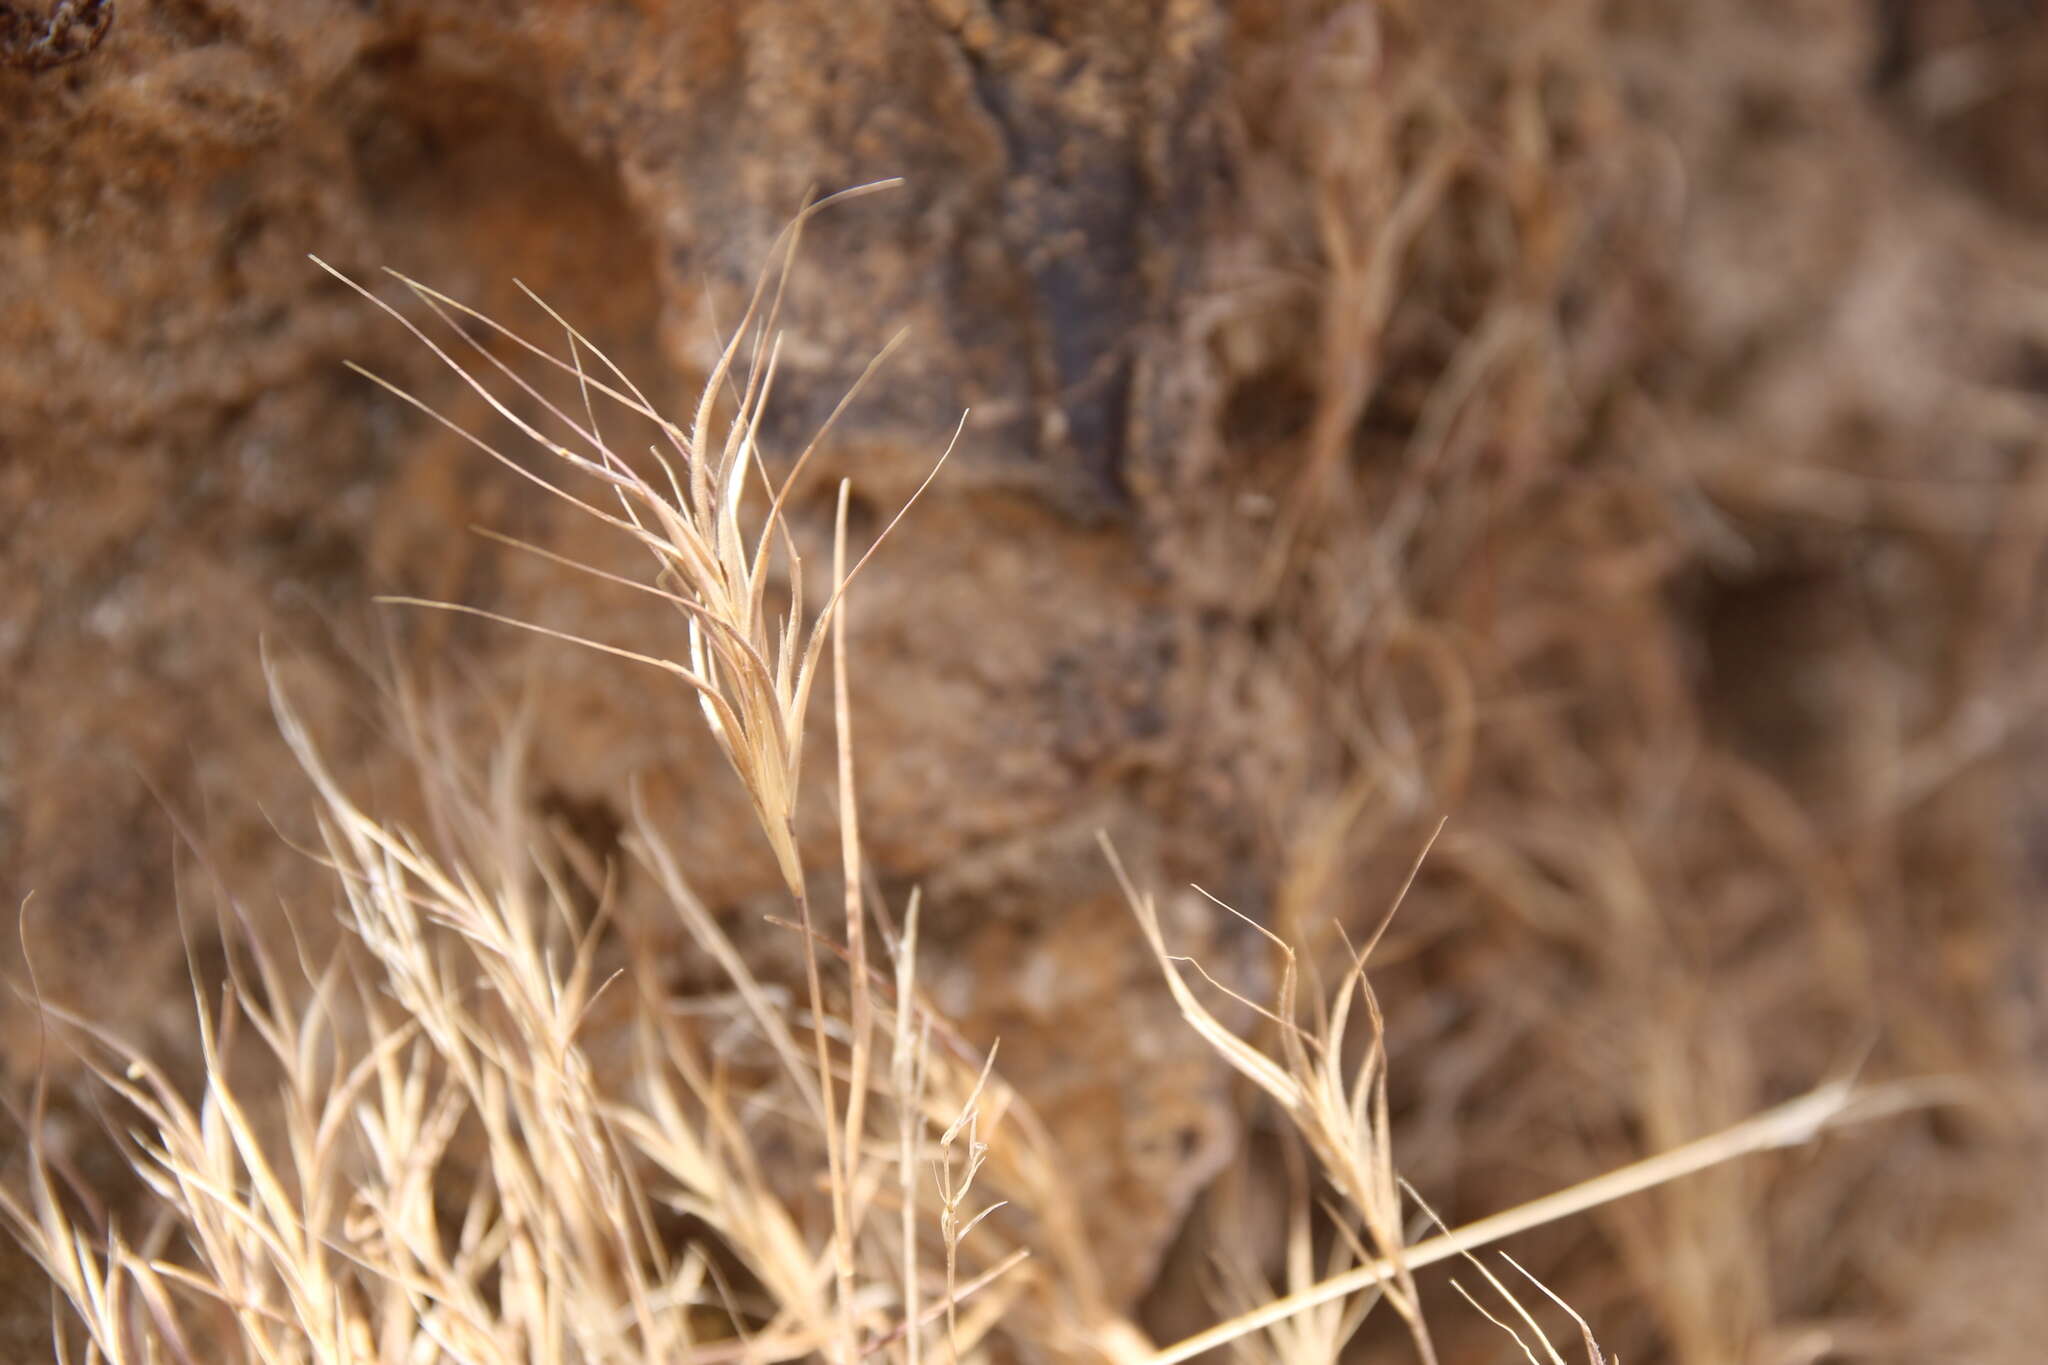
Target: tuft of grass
x,y
479,1146
459,1166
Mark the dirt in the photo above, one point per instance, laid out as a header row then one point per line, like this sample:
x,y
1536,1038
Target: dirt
x,y
1618,431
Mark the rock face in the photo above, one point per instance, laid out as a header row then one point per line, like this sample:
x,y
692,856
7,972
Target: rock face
x,y
1621,432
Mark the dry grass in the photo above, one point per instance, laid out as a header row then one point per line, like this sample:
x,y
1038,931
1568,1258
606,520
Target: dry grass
x,y
482,1149
1687,573
476,1143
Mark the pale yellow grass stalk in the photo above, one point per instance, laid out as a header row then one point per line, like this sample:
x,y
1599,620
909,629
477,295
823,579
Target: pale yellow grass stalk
x,y
1339,1110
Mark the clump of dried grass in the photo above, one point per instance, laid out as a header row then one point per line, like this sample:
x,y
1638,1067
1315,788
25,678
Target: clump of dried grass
x,y
479,1148
461,1166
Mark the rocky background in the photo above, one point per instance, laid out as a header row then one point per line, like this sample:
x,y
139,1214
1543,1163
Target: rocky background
x,y
1618,428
